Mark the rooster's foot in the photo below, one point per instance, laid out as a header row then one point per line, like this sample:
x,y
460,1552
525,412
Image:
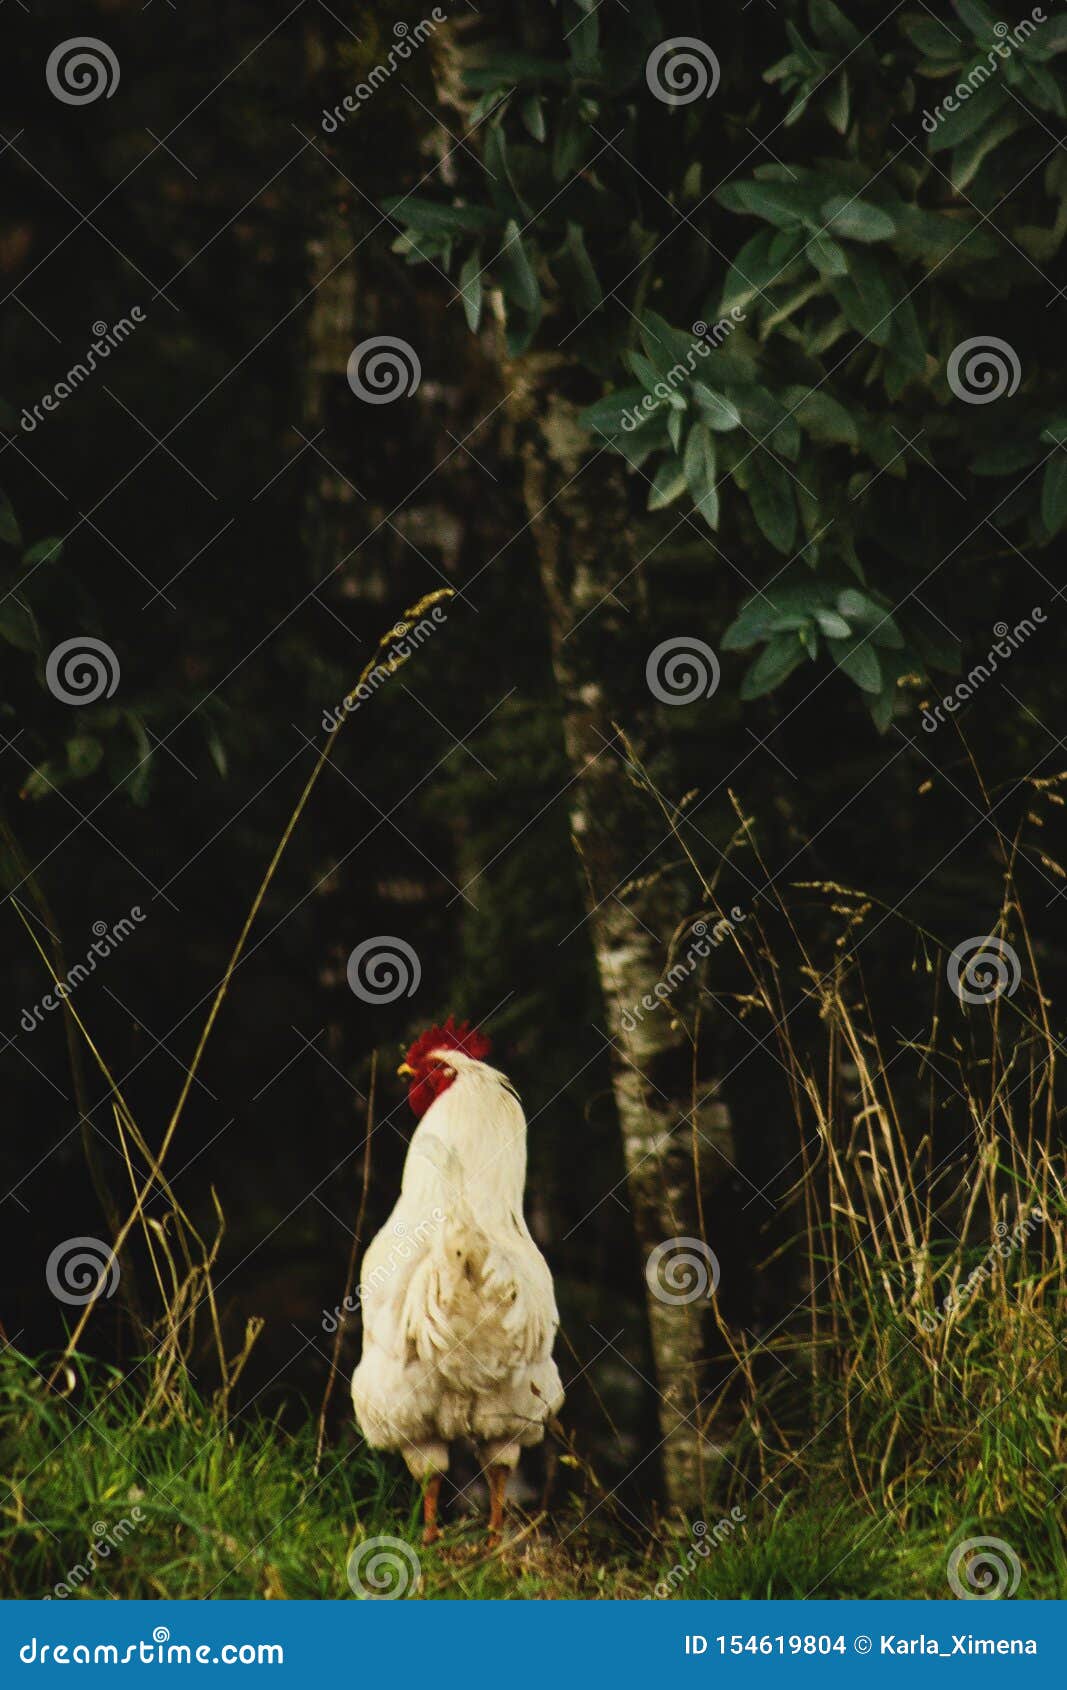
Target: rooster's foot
x,y
431,1530
498,1480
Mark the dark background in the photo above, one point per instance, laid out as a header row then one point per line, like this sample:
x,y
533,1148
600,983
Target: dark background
x,y
243,576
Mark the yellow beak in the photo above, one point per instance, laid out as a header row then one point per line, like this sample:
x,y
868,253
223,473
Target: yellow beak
x,y
404,1072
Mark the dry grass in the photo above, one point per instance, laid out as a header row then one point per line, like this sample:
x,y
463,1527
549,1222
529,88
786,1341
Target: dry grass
x,y
926,1355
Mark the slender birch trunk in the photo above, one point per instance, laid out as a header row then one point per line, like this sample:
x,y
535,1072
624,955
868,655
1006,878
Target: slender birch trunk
x,y
677,1140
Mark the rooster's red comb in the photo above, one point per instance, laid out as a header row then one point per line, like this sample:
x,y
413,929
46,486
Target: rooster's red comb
x,y
452,1036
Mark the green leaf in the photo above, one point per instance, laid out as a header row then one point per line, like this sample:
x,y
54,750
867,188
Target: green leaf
x,y
502,189
635,445
773,506
865,296
859,660
800,104
571,143
426,214
857,606
764,415
760,263
1051,40
18,625
42,781
1043,88
44,551
9,528
134,769
520,328
857,220
84,754
833,626
979,20
934,40
784,206
583,38
967,159
643,369
533,116
906,343
870,614
589,287
837,103
490,99
827,257
717,411
1054,493
832,27
708,507
517,277
1007,458
699,467
522,295
216,748
935,645
503,68
667,348
759,613
881,707
970,116
775,663
820,340
823,418
668,485
934,238
604,416
470,287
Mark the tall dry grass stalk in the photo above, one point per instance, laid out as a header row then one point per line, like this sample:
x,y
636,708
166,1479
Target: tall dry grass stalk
x,y
181,1261
925,1205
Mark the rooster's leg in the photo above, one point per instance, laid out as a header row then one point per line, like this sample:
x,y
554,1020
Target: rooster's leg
x,y
431,1531
498,1479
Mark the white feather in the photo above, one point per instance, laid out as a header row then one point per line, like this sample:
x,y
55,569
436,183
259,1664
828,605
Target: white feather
x,y
459,1312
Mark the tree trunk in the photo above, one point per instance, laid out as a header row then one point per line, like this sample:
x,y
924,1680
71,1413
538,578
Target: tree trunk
x,y
676,1134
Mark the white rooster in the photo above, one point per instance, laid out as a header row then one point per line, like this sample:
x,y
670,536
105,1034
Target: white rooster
x,y
459,1313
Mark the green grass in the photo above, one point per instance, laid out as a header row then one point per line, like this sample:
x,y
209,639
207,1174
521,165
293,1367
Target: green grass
x,y
201,1508
833,1549
195,1507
